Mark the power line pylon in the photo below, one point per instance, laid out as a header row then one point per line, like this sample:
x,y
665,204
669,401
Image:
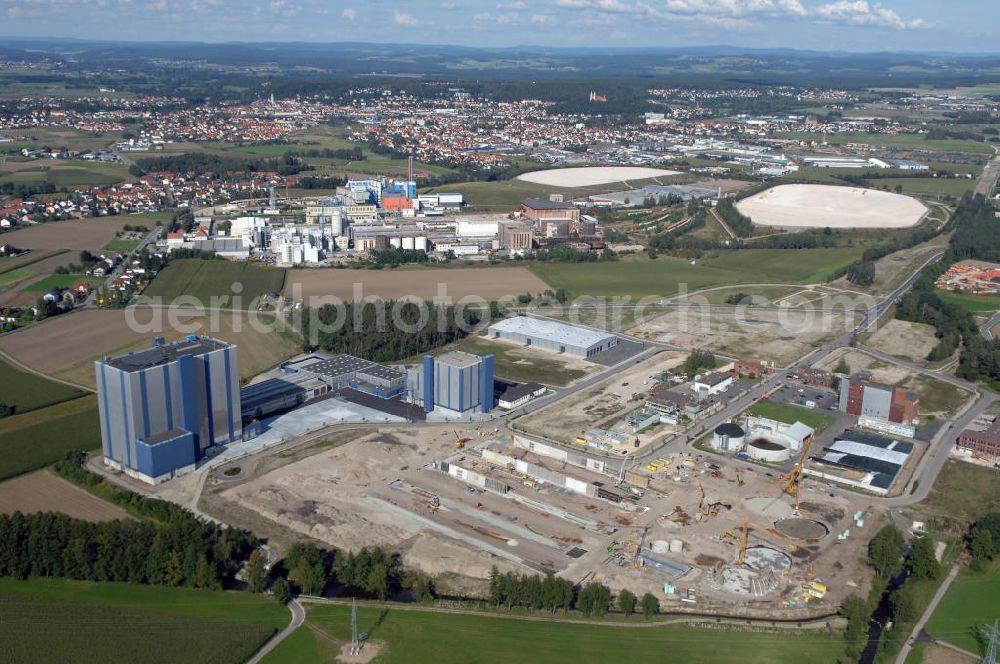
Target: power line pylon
x,y
993,632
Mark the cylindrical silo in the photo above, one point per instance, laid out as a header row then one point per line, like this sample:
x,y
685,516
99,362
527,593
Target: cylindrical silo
x,y
408,243
660,546
676,546
394,242
336,224
421,243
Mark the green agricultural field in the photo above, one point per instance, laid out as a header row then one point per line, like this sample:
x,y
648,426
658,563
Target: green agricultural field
x,y
36,439
415,636
27,391
790,414
11,277
59,620
974,303
970,602
205,279
936,187
54,281
122,246
638,276
523,366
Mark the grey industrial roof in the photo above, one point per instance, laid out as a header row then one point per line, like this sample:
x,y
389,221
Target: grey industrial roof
x,y
458,358
551,331
337,365
164,436
542,204
151,357
515,392
379,371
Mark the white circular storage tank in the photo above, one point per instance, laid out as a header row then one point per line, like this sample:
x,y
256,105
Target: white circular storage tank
x,y
676,546
408,243
762,449
421,243
395,242
728,436
660,546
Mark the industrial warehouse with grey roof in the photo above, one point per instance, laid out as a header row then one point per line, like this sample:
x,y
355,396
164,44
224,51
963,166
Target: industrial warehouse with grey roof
x,y
552,335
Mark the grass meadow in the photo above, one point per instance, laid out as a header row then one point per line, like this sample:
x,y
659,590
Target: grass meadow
x,y
415,637
59,620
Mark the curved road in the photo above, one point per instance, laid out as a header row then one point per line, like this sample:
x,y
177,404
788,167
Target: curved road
x,y
298,617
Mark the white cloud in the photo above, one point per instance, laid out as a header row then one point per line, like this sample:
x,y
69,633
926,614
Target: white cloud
x,y
515,5
447,5
500,19
402,18
541,19
349,13
859,12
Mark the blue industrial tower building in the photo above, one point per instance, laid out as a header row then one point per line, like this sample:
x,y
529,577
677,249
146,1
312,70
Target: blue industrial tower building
x,y
456,381
163,407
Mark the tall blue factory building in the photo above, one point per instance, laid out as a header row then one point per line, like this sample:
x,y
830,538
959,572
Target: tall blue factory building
x,y
163,407
456,382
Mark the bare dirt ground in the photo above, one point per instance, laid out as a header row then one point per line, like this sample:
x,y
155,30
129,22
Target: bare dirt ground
x,y
67,345
43,491
891,270
489,283
937,398
819,205
89,233
326,496
911,341
780,335
600,406
936,654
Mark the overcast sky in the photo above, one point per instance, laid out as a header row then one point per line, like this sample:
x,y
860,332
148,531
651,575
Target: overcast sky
x,y
856,25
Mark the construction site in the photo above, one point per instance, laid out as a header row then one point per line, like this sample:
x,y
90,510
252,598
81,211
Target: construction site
x,y
700,532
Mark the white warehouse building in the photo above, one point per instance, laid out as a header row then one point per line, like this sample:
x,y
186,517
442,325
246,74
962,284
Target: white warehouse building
x,y
554,336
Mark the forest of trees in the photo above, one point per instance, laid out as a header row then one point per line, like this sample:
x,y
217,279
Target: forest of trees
x,y
169,547
200,163
367,330
738,222
394,257
698,360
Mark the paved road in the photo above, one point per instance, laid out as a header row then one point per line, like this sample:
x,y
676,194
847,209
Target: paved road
x,y
298,617
988,180
928,612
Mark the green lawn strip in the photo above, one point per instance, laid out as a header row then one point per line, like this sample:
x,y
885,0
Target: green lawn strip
x,y
28,391
109,622
122,246
62,281
971,601
791,414
974,303
522,366
14,276
418,636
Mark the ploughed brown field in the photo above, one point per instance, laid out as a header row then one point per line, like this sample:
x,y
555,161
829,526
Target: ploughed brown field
x,y
43,491
489,283
88,233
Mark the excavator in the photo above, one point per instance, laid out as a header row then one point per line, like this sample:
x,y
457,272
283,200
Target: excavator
x,y
460,441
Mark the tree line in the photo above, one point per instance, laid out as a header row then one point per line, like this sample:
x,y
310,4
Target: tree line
x,y
896,564
367,328
738,222
200,163
552,593
169,546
